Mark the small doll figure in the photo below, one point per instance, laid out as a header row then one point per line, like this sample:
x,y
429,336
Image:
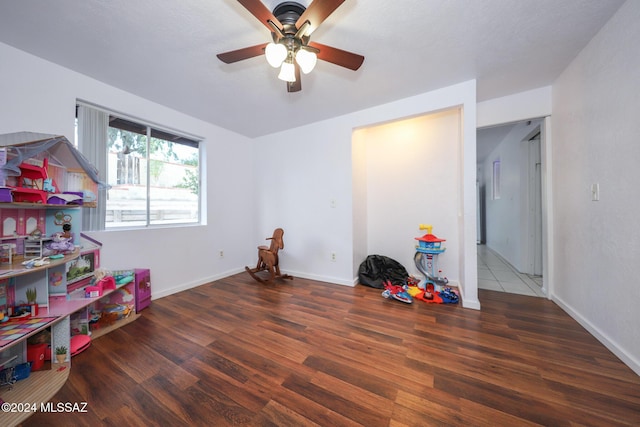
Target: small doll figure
x,y
66,228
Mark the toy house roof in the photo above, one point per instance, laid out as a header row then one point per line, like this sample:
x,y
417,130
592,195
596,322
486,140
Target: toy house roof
x,y
21,146
430,238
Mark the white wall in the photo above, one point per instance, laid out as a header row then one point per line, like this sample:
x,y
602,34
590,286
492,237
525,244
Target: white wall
x,y
411,178
595,140
40,96
302,174
311,194
514,108
359,198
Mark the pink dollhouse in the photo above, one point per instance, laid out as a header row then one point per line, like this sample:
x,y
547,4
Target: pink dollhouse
x,y
45,169
38,173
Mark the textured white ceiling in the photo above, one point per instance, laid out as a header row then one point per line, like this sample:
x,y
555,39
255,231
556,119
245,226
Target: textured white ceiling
x,y
164,50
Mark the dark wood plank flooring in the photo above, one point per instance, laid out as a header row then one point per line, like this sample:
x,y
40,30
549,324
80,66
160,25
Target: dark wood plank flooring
x,y
298,353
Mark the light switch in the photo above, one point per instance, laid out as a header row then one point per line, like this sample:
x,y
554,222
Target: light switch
x,y
595,192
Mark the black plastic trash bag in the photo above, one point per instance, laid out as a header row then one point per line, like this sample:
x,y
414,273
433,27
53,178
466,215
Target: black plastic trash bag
x,y
378,268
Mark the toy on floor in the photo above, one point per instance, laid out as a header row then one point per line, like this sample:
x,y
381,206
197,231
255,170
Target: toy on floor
x,y
429,295
268,259
396,292
448,296
426,259
377,269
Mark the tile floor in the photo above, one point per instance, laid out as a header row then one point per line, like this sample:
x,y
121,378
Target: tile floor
x,y
496,274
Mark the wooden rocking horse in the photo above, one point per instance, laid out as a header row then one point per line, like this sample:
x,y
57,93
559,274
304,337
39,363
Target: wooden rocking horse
x,y
268,259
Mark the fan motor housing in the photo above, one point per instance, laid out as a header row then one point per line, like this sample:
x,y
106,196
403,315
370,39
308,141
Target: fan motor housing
x,y
288,13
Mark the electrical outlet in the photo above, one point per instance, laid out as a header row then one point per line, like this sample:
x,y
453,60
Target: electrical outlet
x,y
221,253
333,256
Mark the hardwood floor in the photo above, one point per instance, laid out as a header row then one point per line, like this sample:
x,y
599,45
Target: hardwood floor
x,y
298,353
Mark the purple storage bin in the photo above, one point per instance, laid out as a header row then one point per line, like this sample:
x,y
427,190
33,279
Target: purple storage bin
x,y
143,288
60,199
55,200
80,194
5,195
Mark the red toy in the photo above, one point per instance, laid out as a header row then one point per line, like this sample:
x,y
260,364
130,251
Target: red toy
x,y
396,292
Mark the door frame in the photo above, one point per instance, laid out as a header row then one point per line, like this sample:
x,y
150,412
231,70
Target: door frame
x,y
547,207
546,203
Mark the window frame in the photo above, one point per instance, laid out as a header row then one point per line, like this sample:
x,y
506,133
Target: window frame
x,y
151,130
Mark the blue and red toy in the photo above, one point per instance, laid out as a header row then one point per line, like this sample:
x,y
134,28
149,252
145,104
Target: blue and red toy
x,y
426,259
396,292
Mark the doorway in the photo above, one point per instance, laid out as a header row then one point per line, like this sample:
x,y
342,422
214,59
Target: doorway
x,y
510,249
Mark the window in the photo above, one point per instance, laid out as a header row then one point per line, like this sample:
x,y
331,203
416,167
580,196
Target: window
x,y
496,179
153,176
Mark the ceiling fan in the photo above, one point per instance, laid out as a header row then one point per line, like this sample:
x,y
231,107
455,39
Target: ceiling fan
x,y
291,25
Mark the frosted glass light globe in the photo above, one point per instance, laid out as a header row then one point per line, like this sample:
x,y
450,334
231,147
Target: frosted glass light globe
x,y
287,72
275,53
306,60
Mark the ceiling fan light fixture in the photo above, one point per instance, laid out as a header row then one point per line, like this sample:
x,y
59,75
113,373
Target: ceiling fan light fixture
x,y
306,60
287,72
291,25
275,54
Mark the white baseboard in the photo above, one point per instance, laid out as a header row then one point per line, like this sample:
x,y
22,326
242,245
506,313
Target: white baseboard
x,y
320,278
193,284
464,301
473,304
629,360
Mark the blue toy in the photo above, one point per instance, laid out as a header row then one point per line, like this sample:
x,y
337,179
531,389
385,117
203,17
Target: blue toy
x,y
426,258
48,186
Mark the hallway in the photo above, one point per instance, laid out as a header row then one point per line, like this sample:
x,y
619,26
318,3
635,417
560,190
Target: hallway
x,y
496,274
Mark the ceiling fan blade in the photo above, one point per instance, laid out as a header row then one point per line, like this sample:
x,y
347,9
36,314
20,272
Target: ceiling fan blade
x,y
240,54
340,57
297,85
260,11
316,13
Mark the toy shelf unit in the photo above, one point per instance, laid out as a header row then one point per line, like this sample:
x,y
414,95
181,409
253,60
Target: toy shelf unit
x,y
94,309
116,300
42,187
28,377
114,309
101,306
142,288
